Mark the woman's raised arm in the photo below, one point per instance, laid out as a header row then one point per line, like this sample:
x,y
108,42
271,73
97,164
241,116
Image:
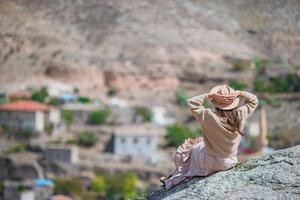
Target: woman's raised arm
x,y
195,104
250,105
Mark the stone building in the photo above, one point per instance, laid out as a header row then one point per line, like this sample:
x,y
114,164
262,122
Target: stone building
x,y
137,141
27,114
62,153
81,111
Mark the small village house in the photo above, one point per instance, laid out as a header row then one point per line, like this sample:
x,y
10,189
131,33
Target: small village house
x,y
62,153
43,189
160,116
27,114
137,141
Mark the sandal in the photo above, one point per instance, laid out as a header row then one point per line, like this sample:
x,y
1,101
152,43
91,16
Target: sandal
x,y
162,179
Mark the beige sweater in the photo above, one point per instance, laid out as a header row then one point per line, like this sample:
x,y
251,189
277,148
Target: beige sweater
x,y
219,139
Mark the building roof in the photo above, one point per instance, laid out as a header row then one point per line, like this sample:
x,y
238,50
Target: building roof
x,y
43,182
25,105
61,197
137,130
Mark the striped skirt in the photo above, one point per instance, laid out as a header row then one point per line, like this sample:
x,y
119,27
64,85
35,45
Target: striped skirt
x,y
192,160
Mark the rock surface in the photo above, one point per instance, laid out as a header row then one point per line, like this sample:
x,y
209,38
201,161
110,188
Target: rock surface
x,y
272,176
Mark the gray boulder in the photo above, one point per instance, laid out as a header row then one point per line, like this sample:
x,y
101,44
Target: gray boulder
x,y
272,176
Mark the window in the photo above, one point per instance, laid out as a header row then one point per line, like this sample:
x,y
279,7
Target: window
x,y
123,140
148,141
135,140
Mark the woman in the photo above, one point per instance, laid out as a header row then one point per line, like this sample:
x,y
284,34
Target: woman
x,y
222,130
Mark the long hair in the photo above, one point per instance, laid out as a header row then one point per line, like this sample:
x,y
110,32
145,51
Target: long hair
x,y
232,118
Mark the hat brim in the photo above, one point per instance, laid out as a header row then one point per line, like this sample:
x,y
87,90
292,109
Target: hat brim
x,y
231,106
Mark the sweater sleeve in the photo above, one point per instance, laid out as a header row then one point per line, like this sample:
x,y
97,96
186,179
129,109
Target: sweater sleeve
x,y
195,104
250,105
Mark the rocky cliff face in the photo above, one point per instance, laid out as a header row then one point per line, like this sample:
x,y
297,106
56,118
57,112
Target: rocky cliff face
x,y
187,40
273,176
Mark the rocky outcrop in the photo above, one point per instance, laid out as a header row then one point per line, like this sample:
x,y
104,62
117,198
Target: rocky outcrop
x,y
19,166
184,39
272,176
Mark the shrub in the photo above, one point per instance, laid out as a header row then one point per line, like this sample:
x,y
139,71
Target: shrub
x,y
176,134
57,141
237,85
17,148
28,132
144,112
83,99
240,65
87,139
48,128
99,185
260,85
181,96
278,84
68,117
40,95
99,116
54,101
22,188
258,63
118,186
112,91
68,186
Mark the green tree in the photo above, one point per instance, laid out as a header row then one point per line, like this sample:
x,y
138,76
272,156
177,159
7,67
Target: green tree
x,y
112,91
99,116
83,99
237,85
68,186
121,186
40,95
177,133
144,112
128,185
87,139
260,85
99,185
68,117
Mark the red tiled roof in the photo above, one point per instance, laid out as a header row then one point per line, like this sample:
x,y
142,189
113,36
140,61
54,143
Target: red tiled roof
x,y
61,197
25,105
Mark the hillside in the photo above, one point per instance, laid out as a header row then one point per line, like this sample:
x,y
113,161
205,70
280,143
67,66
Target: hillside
x,y
273,176
141,44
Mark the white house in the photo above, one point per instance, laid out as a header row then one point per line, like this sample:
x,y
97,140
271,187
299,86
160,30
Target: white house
x,y
138,141
160,116
27,114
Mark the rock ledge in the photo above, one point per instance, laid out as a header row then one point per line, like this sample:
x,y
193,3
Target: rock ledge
x,y
272,176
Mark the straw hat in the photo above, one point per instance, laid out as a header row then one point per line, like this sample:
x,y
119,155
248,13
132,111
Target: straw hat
x,y
226,98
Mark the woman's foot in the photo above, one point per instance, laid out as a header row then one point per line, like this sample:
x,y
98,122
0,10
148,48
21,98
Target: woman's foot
x,y
162,179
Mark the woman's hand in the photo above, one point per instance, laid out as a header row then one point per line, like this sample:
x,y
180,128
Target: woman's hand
x,y
240,93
